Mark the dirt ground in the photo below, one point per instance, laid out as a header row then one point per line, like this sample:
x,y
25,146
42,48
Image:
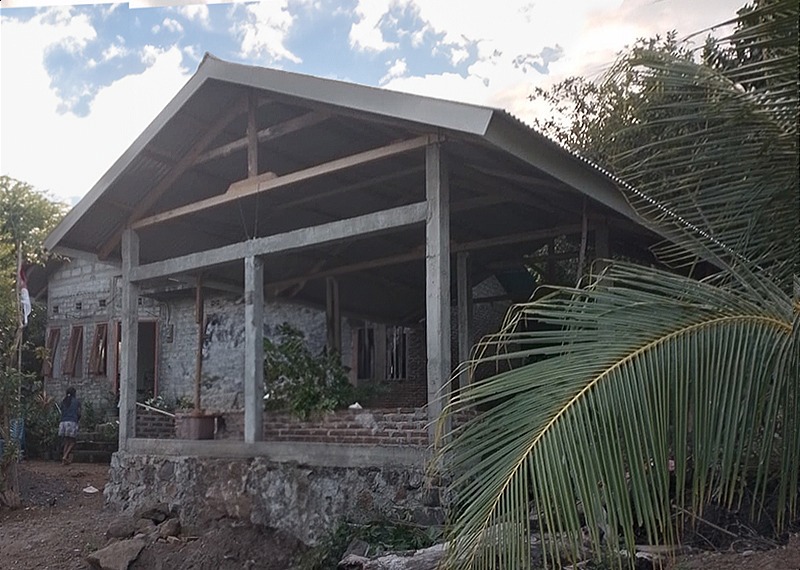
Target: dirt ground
x,y
59,524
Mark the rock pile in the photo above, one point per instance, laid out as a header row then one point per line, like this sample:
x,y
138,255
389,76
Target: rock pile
x,y
129,534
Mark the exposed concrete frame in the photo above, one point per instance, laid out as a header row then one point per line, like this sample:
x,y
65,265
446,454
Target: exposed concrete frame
x,y
130,338
376,222
437,285
253,349
302,453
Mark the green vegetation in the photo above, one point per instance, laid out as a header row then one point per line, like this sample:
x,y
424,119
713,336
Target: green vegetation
x,y
648,395
381,536
298,381
26,217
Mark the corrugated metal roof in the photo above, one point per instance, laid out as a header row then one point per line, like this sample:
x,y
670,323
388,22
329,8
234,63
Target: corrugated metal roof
x,y
522,178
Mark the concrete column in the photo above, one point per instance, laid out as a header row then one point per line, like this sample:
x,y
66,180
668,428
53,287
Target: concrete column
x,y
333,317
464,287
437,283
130,340
253,349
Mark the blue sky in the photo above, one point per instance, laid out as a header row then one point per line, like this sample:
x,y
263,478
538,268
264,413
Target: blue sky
x,y
78,83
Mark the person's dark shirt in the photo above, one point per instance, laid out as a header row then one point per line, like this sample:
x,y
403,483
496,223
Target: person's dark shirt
x,y
70,411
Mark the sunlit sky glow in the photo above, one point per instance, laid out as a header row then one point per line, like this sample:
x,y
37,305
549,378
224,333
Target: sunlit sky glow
x,y
78,83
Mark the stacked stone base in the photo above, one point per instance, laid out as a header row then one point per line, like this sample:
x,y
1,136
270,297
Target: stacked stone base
x,y
305,501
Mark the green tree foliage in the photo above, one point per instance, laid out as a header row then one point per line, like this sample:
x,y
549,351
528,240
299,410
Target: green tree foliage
x,y
26,217
297,380
649,395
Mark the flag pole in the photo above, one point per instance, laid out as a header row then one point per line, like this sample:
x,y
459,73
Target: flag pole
x,y
20,320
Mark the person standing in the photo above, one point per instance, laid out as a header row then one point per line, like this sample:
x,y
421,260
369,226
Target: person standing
x,y
68,428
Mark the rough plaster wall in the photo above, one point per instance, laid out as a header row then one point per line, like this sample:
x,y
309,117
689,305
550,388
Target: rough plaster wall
x,y
223,352
87,283
223,347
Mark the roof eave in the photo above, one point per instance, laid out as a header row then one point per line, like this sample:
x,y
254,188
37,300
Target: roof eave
x,y
525,143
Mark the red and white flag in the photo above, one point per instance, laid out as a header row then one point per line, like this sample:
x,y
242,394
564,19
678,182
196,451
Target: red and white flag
x,y
24,296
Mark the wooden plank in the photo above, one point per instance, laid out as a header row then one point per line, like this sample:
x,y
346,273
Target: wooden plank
x,y
268,181
331,232
464,291
200,319
253,349
252,136
333,317
437,285
518,237
270,133
130,340
346,188
177,171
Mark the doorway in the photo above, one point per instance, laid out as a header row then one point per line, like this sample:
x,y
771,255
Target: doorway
x,y
147,361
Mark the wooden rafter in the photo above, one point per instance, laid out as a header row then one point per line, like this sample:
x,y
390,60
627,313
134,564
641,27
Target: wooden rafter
x,y
270,133
268,181
180,167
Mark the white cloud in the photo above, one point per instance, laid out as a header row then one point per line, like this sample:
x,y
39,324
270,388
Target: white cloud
x,y
76,150
514,41
196,12
397,69
114,51
365,34
263,30
172,25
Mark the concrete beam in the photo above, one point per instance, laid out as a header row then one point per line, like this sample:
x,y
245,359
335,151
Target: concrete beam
x,y
437,284
130,339
302,453
253,349
367,224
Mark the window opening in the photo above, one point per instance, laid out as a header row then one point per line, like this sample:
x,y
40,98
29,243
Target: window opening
x,y
51,346
73,363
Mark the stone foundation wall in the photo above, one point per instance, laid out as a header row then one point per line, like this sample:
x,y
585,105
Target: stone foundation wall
x,y
397,426
306,501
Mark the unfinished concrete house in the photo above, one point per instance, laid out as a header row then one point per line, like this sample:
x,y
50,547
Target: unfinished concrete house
x,y
392,228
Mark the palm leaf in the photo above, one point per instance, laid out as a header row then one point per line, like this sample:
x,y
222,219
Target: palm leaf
x,y
710,156
588,434
647,395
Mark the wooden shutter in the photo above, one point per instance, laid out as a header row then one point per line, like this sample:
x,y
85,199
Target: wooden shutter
x,y
97,358
53,336
73,351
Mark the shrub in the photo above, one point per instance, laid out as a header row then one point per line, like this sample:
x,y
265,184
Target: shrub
x,y
296,380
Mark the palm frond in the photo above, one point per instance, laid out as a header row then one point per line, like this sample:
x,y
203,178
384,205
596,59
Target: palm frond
x,y
712,153
614,392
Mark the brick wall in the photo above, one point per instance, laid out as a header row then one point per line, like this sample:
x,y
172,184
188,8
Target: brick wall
x,y
154,425
395,426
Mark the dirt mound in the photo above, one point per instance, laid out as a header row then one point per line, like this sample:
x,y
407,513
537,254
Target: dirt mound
x,y
226,546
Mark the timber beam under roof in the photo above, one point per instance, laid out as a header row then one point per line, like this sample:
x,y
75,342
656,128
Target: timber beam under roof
x,y
268,180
